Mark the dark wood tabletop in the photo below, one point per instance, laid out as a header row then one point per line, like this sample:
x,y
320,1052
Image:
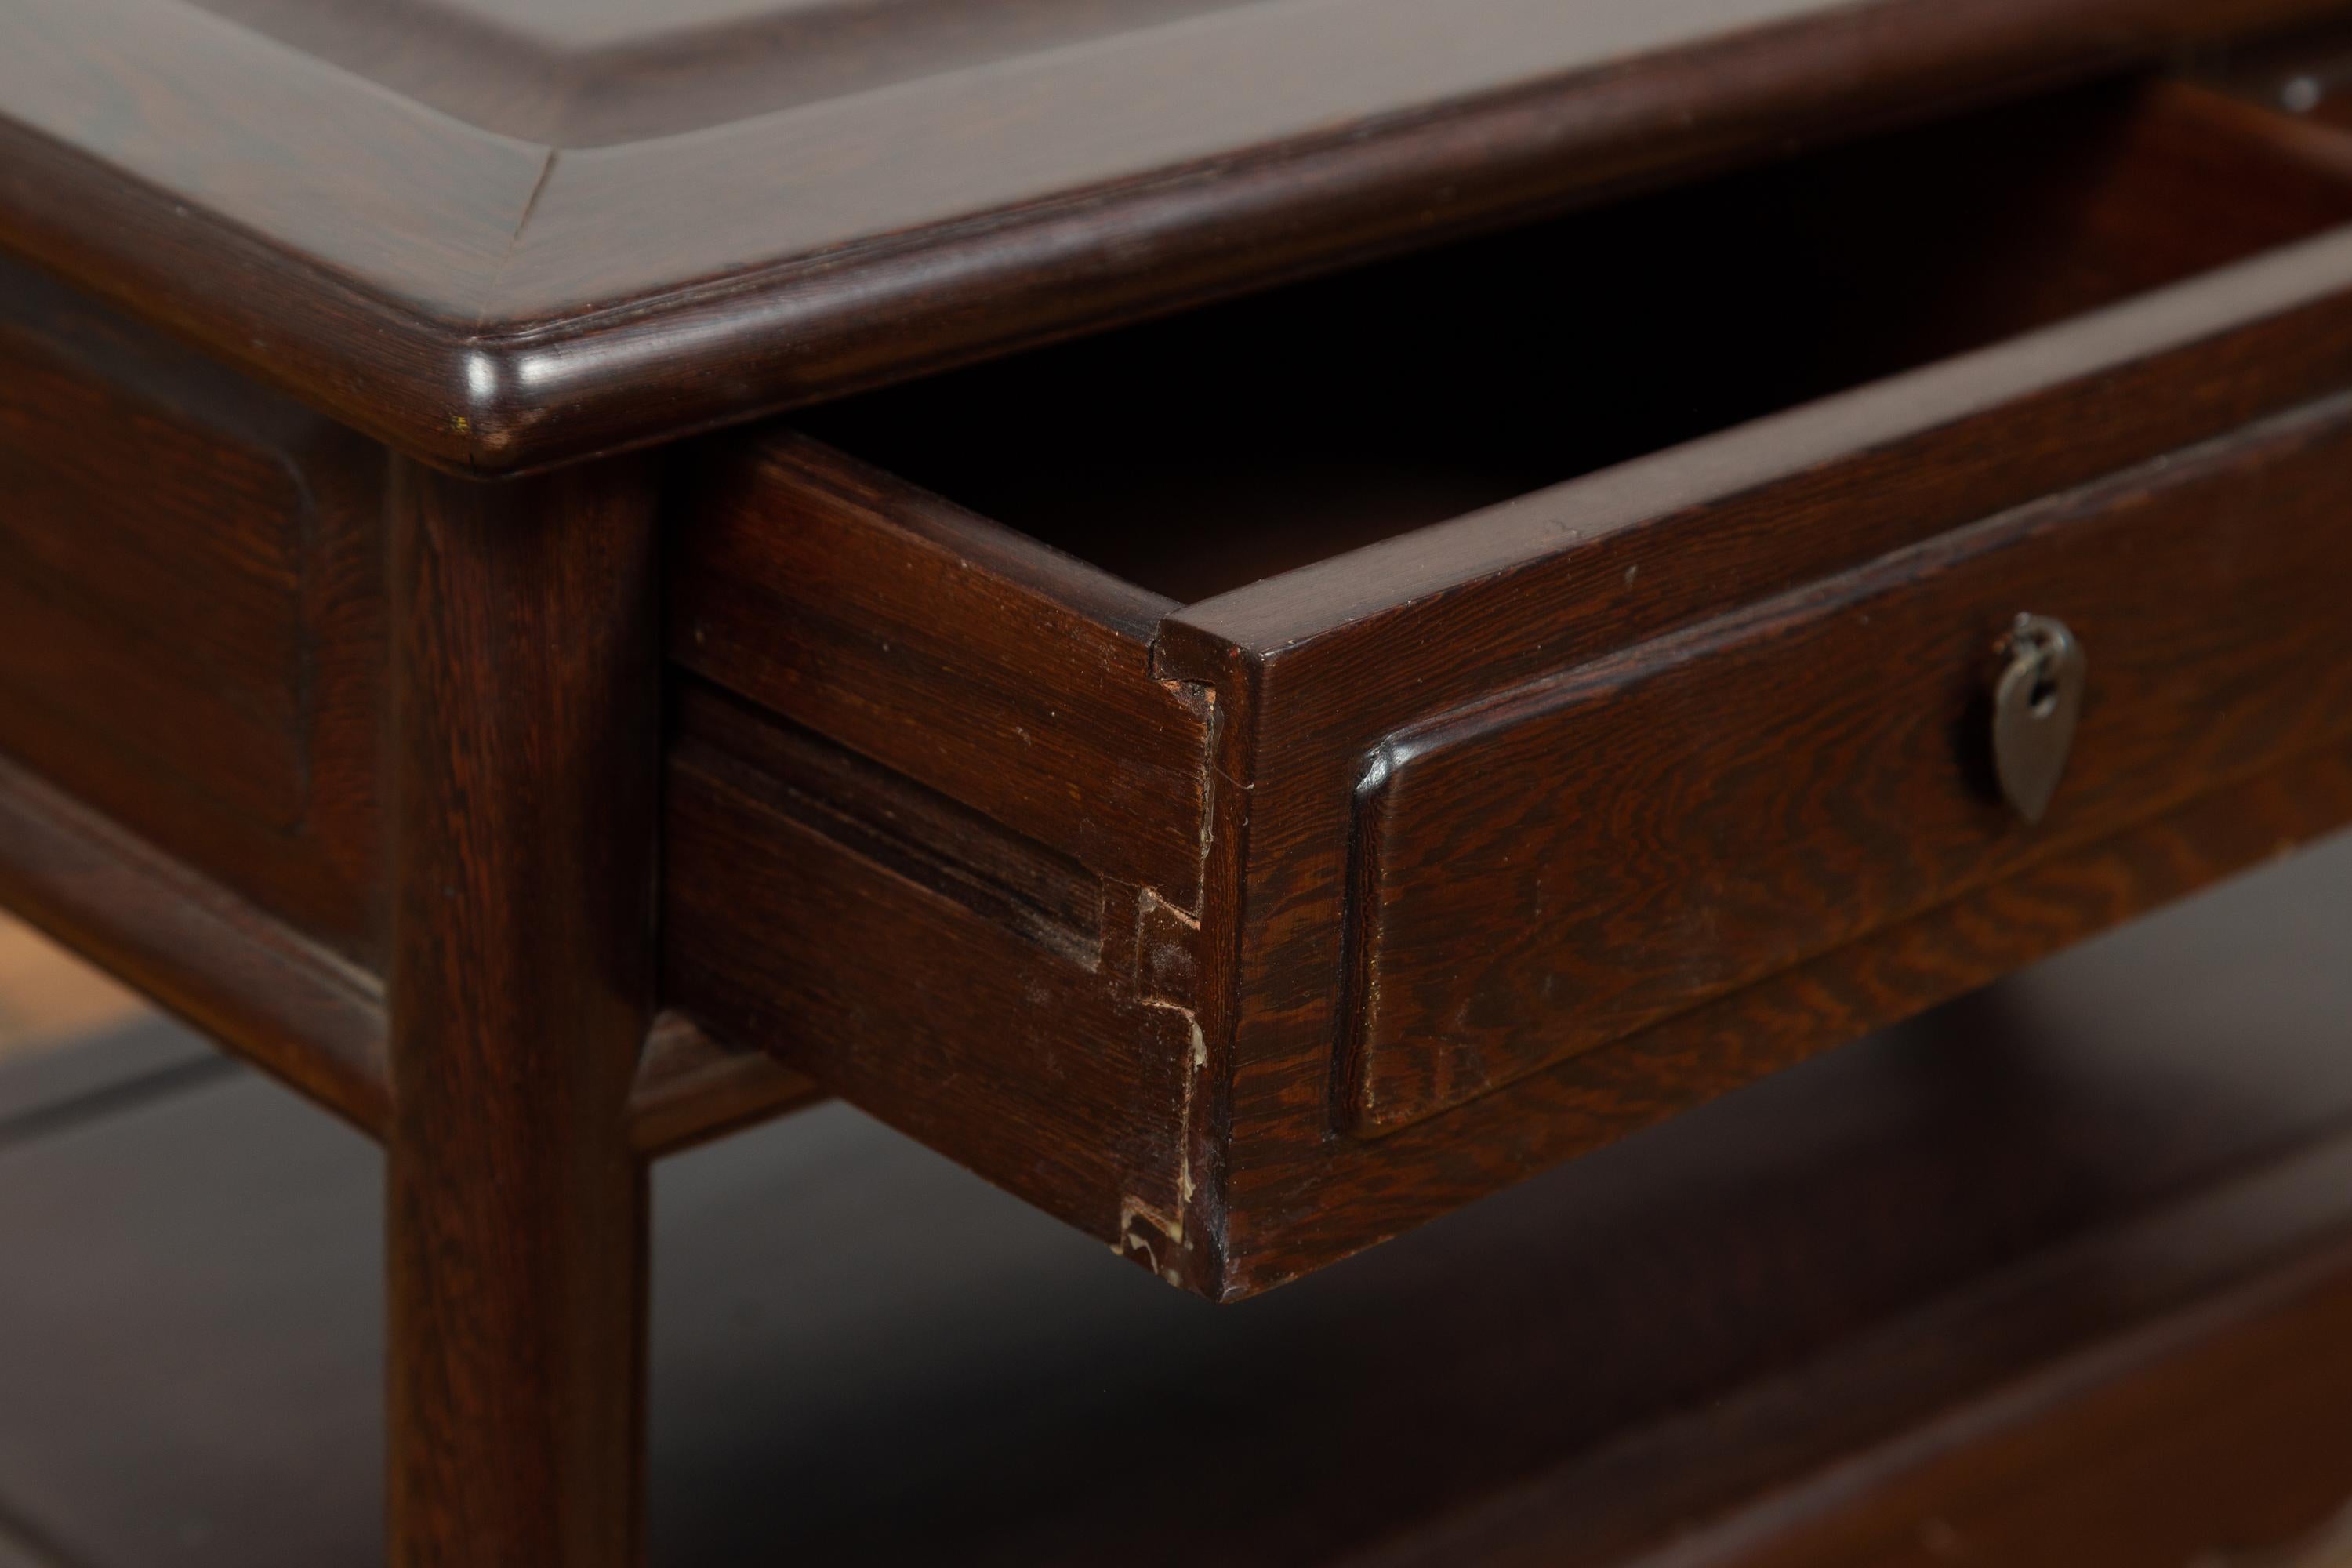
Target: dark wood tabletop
x,y
498,237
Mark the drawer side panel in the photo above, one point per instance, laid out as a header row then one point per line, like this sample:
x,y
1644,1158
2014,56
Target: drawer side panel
x,y
991,669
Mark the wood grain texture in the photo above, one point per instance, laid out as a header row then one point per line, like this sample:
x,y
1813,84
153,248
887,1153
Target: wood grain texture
x,y
1554,580
525,717
1197,454
1574,859
1296,1201
1023,858
1228,1136
290,1007
1064,1072
984,666
305,1015
203,536
492,302
2128,376
191,582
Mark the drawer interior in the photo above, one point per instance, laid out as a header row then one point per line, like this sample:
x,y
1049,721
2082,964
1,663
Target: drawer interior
x,y
1194,455
1171,916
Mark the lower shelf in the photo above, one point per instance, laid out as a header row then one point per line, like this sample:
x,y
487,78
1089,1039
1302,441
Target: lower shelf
x,y
2059,1274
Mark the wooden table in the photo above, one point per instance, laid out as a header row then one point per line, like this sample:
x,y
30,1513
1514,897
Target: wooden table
x,y
1362,597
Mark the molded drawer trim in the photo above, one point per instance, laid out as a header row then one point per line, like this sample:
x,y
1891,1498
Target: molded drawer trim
x,y
1545,872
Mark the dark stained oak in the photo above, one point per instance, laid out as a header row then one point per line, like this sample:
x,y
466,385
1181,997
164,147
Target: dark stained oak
x,y
963,655
1362,599
2147,440
1704,810
190,580
1274,438
1023,755
525,724
491,299
2301,73
290,1007
1050,1059
268,993
192,693
1555,579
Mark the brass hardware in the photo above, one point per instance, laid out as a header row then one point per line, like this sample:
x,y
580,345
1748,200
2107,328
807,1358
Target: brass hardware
x,y
2034,709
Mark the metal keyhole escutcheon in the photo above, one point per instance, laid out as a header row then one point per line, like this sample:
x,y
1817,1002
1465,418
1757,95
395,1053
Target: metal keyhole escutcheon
x,y
2034,709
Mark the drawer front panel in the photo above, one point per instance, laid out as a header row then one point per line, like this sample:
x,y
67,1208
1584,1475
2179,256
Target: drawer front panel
x,y
1552,870
1617,795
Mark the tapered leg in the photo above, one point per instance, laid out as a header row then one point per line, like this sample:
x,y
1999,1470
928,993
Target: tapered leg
x,y
525,751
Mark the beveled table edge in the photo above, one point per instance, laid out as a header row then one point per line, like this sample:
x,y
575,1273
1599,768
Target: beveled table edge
x,y
490,305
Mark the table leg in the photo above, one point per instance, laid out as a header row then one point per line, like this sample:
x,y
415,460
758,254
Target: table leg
x,y
525,755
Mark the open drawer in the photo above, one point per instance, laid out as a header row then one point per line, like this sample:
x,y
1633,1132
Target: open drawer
x,y
1253,782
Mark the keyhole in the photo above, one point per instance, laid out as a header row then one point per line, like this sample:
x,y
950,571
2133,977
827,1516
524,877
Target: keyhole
x,y
2034,709
2043,700
2041,697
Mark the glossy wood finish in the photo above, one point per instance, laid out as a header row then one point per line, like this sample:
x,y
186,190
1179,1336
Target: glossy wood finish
x,y
525,743
191,688
1196,455
190,576
194,695
491,300
1558,579
1702,811
1036,840
290,1007
273,996
964,656
1058,1061
2116,459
